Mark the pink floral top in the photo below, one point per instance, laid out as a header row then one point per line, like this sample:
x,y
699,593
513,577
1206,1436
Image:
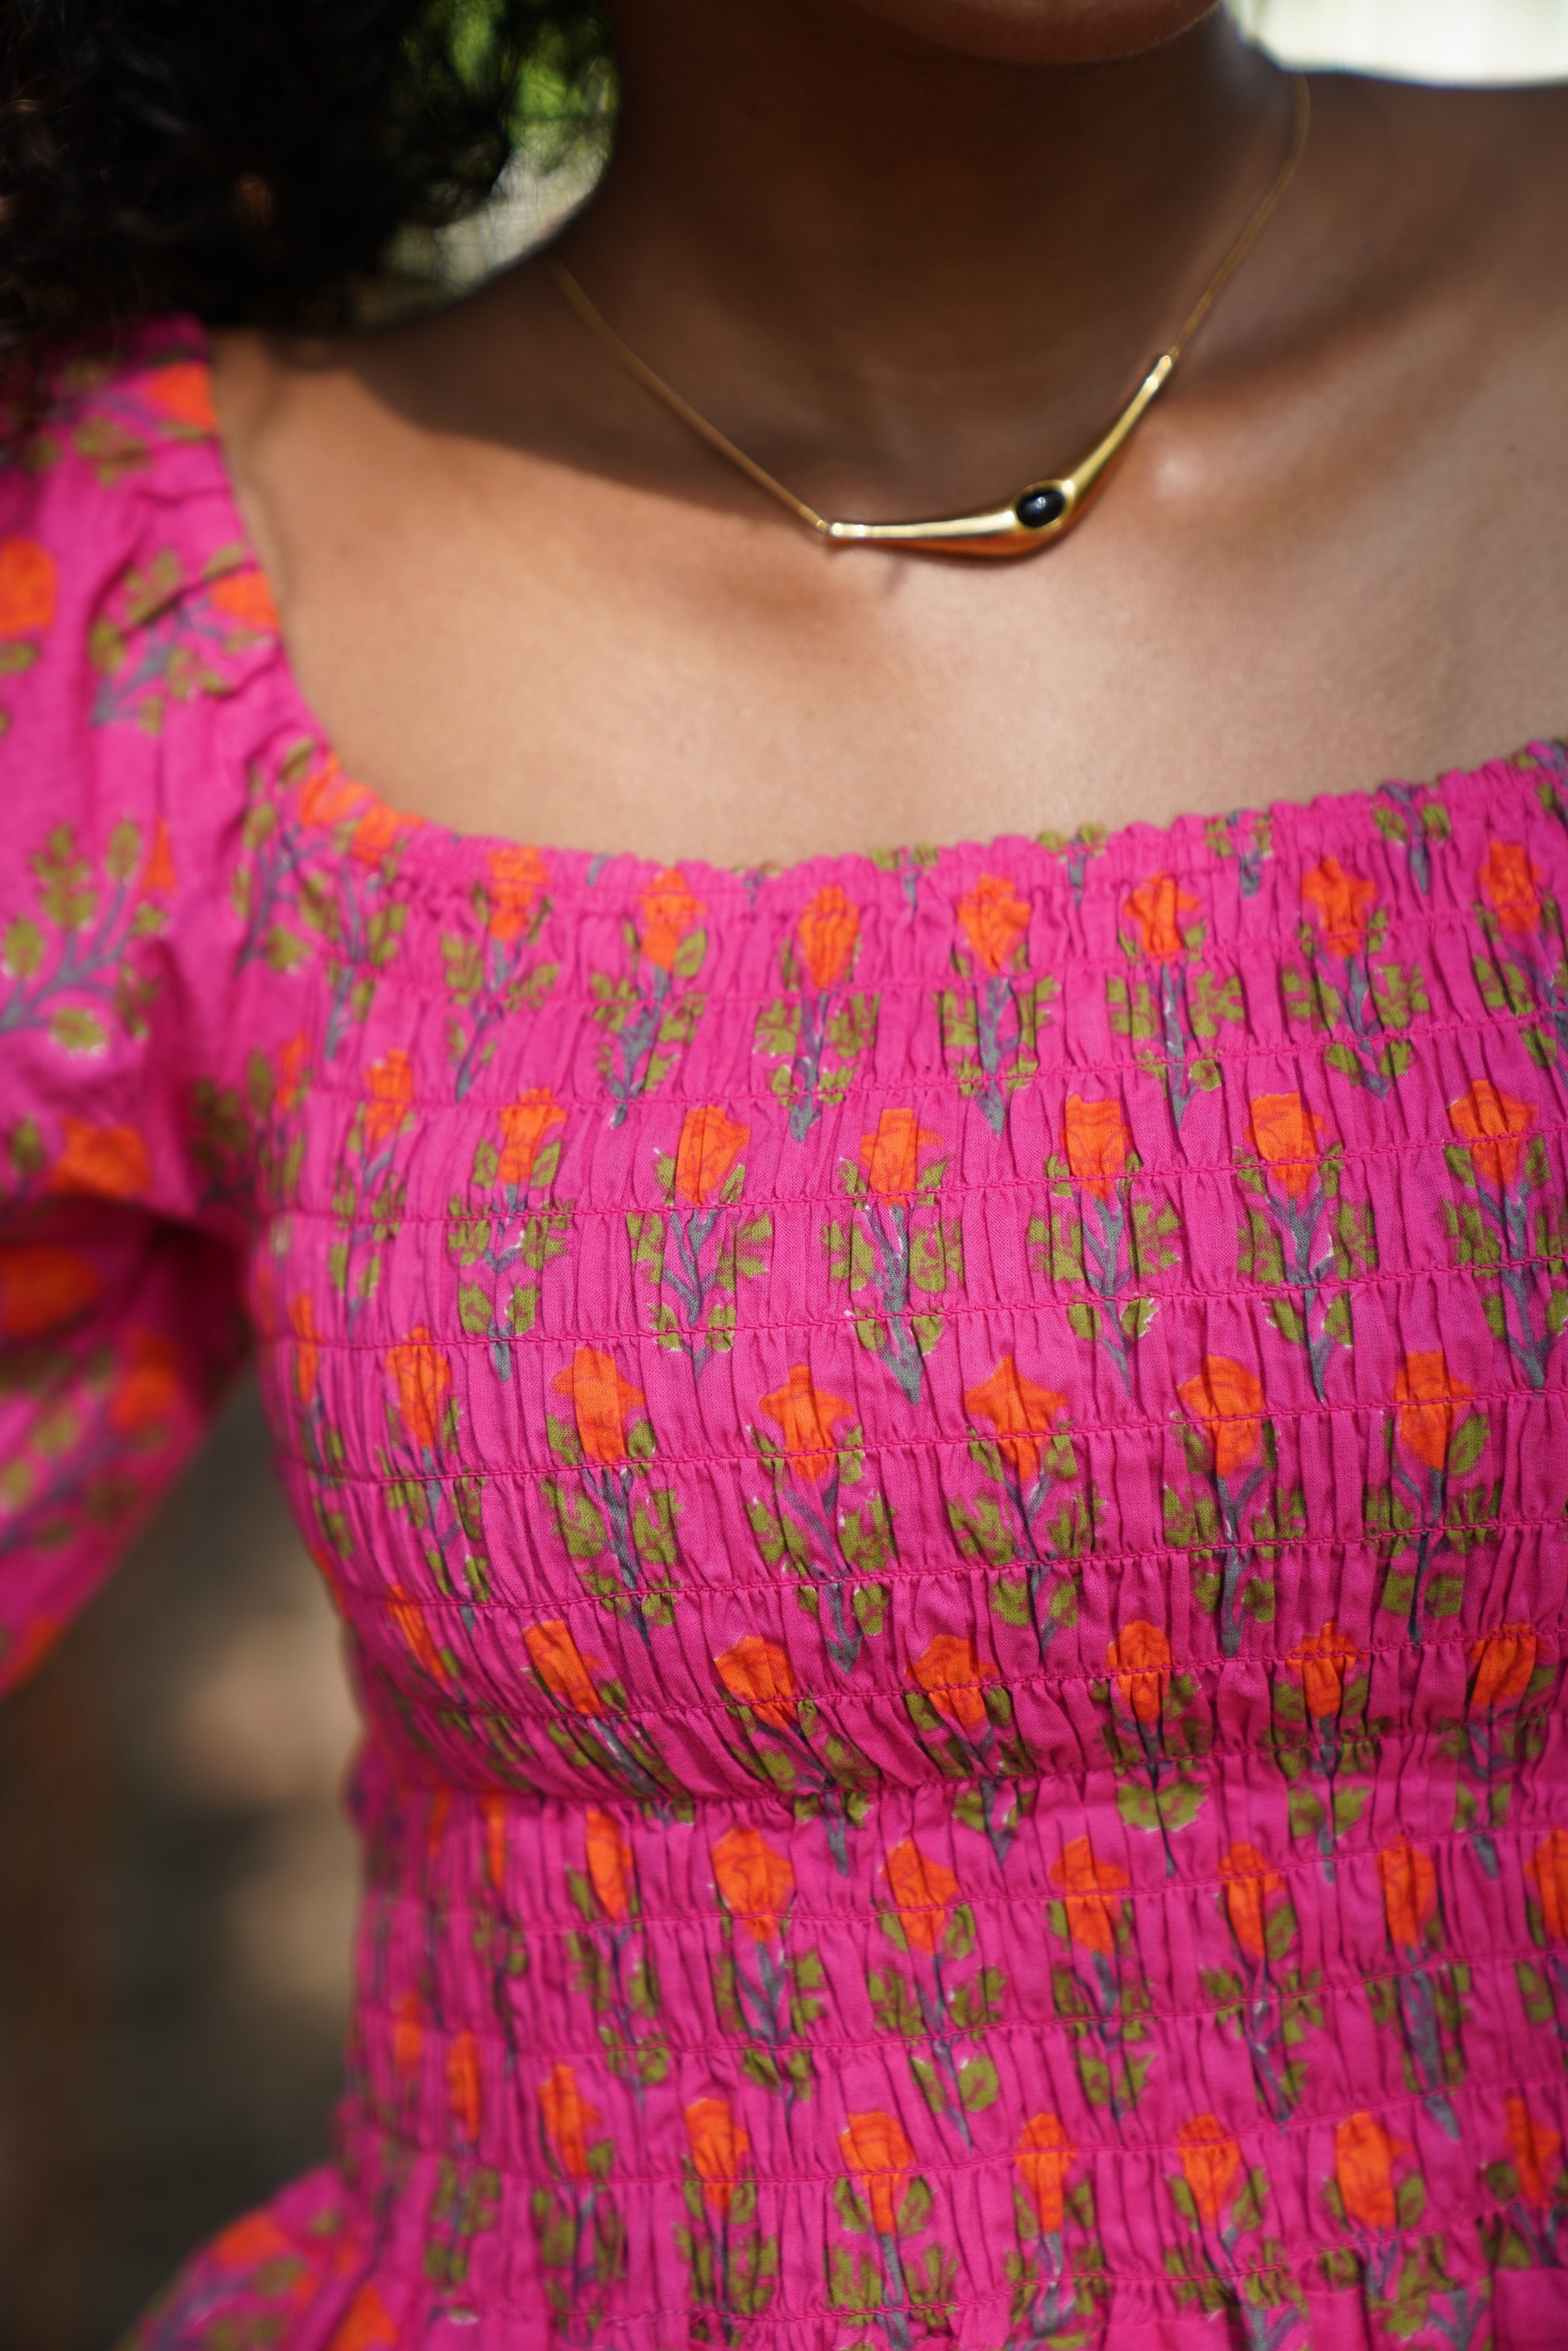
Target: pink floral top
x,y
945,1475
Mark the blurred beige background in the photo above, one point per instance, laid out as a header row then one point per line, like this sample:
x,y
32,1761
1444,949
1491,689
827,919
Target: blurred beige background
x,y
176,1884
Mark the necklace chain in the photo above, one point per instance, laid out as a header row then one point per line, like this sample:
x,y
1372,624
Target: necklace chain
x,y
1045,511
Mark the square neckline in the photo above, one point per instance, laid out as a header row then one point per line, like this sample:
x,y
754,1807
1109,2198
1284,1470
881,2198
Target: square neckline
x,y
1183,844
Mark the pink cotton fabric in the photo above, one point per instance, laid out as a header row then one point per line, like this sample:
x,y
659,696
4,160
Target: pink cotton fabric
x,y
945,1474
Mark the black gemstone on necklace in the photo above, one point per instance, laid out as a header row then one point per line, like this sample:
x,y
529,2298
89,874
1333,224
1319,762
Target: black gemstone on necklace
x,y
1035,508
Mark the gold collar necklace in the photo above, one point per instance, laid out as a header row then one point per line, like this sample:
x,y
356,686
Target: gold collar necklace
x,y
1040,514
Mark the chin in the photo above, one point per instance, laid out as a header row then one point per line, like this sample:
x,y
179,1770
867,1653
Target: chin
x,y
1040,32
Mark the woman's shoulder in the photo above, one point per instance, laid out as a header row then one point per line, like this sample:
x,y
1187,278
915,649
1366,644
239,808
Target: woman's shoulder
x,y
1470,178
108,431
127,591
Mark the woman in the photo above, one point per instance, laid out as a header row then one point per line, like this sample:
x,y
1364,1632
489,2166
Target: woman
x,y
943,1466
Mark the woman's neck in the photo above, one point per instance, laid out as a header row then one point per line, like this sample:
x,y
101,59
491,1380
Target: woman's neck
x,y
896,263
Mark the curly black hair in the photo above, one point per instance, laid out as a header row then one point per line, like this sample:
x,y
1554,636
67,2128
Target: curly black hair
x,y
253,159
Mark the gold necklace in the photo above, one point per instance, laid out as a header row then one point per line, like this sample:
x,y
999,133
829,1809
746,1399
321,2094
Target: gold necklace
x,y
1043,512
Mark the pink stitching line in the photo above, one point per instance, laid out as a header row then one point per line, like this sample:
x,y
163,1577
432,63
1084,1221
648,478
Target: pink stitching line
x,y
960,1309
546,1590
1291,1415
925,1083
1153,2148
1057,1776
545,1595
955,1571
483,2029
1045,1187
874,1703
1547,1630
540,1592
437,1605
753,1803
1218,956
402,1895
1159,2287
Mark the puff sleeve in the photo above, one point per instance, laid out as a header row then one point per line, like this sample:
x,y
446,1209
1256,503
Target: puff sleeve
x,y
121,1310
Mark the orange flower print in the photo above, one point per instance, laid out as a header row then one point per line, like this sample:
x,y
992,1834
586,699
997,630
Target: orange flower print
x,y
150,1388
758,1673
415,1633
1090,1888
561,1667
463,2084
292,1058
1096,1142
27,588
666,910
757,1882
1287,1138
880,2160
1535,2150
891,1158
437,1819
108,1162
493,1813
42,1286
158,878
952,1675
308,1348
1343,903
719,2151
1044,2155
602,1402
516,878
1211,2165
1502,1664
1508,878
1425,1393
1251,1886
807,1416
923,1892
1364,2171
367,2325
1326,1660
407,2035
1227,1400
1139,1659
329,798
183,392
993,919
610,1865
1159,915
378,830
388,1097
245,598
1547,1871
710,1142
1494,1126
828,929
568,2120
246,2243
524,1126
1409,1886
1021,1413
423,1379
